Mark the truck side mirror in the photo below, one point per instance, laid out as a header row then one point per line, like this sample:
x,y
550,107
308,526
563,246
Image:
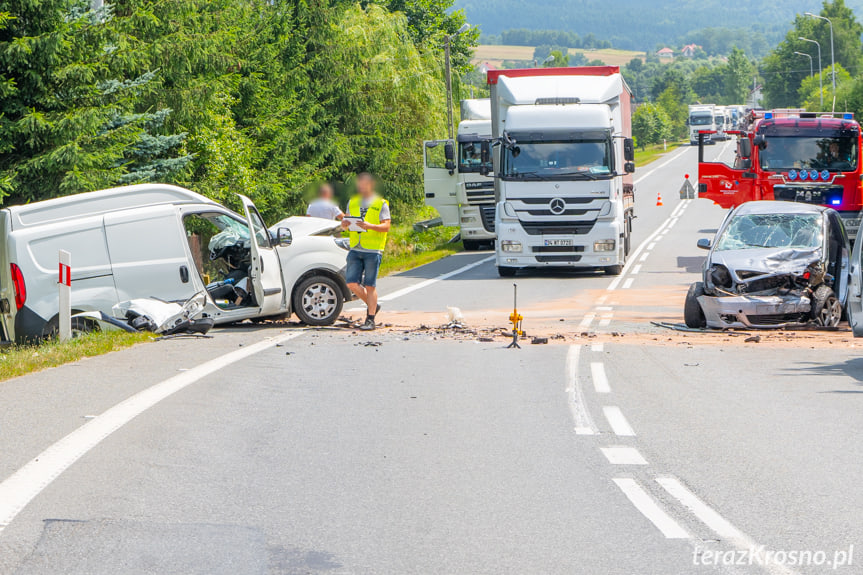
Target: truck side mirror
x,y
449,154
629,150
484,154
746,164
629,167
745,147
703,243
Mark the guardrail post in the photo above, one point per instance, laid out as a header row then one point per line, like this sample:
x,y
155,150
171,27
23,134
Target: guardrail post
x,y
65,286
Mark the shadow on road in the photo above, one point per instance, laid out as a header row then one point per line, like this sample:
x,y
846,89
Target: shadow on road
x,y
852,368
691,264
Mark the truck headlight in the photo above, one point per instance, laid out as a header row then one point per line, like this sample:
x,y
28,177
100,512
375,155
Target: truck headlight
x,y
468,219
510,246
603,246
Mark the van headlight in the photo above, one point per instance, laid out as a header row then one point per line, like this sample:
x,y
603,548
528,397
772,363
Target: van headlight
x,y
603,246
510,246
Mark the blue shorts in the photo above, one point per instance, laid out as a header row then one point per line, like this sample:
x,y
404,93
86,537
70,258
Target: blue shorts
x,y
363,268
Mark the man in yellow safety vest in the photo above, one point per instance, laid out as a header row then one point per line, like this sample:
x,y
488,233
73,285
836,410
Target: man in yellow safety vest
x,y
370,213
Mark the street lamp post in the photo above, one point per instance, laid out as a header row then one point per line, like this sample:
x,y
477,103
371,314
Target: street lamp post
x,y
820,79
447,40
811,71
832,53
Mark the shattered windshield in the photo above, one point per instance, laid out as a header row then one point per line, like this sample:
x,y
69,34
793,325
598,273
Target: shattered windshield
x,y
591,157
836,154
771,231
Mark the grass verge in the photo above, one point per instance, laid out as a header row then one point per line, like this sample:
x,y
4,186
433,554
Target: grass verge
x,y
24,359
650,153
407,248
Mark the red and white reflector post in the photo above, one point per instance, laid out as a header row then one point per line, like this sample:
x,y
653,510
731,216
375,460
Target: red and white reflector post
x,y
65,286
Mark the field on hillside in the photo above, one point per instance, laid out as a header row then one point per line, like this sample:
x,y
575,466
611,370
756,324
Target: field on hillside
x,y
495,54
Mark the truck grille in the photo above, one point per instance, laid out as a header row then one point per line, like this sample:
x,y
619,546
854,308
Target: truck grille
x,y
487,213
479,192
557,228
820,195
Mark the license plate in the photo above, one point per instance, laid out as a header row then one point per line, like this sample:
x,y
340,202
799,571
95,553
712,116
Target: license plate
x,y
558,243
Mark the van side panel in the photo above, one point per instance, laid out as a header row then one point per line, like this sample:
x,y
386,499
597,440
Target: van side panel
x,y
35,251
147,247
7,292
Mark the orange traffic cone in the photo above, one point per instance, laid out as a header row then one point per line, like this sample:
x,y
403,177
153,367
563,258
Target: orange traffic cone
x,y
658,198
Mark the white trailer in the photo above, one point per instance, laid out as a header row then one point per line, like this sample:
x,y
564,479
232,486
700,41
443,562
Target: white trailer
x,y
456,180
702,117
563,169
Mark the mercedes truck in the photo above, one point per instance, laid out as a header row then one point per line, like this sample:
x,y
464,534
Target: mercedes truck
x,y
457,182
563,163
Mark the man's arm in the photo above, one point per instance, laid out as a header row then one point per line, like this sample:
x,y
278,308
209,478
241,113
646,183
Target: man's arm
x,y
384,226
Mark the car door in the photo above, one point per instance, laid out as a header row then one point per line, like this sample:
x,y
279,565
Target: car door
x,y
440,179
266,270
854,305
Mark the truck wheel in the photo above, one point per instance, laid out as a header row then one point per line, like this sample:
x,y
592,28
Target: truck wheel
x,y
613,270
506,272
693,315
826,309
318,301
471,245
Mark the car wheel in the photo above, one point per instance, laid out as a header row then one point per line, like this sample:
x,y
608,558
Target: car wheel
x,y
693,315
613,270
318,301
506,272
826,309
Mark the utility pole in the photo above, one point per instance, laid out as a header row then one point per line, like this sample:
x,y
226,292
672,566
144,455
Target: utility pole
x,y
820,76
447,40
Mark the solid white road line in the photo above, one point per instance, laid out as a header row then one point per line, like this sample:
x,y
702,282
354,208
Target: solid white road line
x,y
600,380
628,283
718,524
24,485
622,455
583,422
618,423
650,509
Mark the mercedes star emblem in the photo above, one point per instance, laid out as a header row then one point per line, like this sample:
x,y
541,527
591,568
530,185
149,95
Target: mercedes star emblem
x,y
557,206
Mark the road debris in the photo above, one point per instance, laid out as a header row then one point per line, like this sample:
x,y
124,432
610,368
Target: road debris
x,y
539,340
753,339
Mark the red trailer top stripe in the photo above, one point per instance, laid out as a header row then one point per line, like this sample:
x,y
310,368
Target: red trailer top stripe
x,y
493,75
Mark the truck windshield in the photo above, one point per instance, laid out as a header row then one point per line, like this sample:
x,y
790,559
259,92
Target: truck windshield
x,y
470,156
590,158
835,154
771,231
700,120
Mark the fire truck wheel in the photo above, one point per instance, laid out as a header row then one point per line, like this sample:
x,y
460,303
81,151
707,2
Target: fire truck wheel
x,y
693,315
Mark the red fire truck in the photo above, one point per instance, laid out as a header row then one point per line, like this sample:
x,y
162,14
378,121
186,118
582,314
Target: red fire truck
x,y
791,155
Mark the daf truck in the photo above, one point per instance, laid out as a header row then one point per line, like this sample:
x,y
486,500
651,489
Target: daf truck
x,y
457,182
563,163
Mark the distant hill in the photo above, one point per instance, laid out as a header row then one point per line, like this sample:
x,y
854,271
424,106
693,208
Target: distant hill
x,y
641,24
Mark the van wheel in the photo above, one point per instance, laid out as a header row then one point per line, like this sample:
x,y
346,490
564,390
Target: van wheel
x,y
693,315
826,309
506,272
80,326
318,301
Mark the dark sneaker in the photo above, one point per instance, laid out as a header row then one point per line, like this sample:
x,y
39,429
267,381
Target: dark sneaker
x,y
369,325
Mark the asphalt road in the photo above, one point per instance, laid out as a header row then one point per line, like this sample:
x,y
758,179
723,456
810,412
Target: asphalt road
x,y
618,448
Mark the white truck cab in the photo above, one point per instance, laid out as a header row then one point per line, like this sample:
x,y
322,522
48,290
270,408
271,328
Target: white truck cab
x,y
702,117
456,179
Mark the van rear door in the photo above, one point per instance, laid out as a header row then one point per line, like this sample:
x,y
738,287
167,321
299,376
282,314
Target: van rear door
x,y
148,254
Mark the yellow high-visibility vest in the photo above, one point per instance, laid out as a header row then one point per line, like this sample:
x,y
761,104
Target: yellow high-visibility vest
x,y
369,239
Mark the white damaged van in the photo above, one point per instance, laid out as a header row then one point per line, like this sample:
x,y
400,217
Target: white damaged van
x,y
163,241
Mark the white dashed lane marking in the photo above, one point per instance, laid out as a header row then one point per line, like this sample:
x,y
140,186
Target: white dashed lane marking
x,y
617,421
600,380
622,455
650,509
